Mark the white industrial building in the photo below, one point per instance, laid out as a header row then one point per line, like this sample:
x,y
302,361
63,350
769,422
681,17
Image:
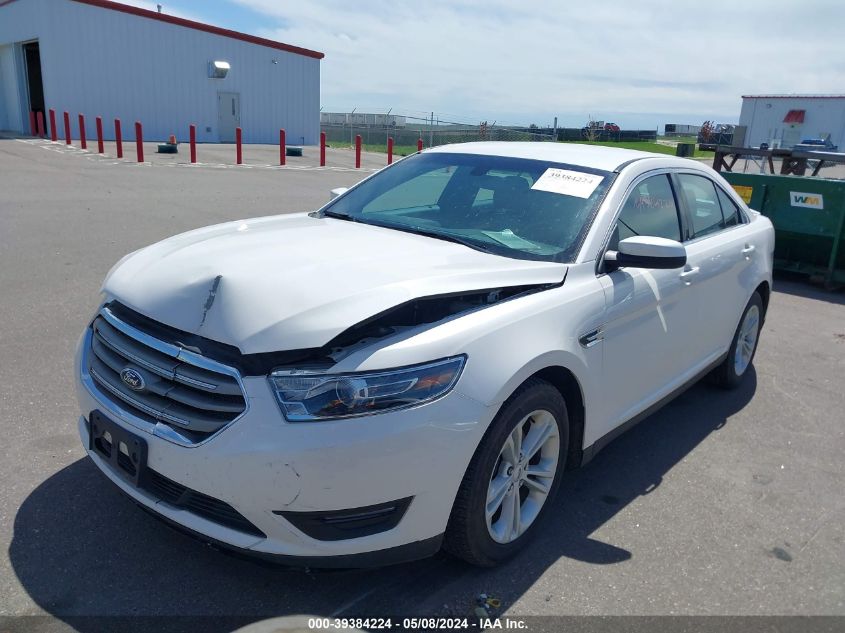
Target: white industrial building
x,y
102,58
785,120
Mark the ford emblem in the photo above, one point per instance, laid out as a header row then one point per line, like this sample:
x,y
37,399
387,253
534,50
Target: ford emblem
x,y
132,379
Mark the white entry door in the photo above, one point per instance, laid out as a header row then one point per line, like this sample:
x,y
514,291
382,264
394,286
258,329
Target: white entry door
x,y
791,135
228,115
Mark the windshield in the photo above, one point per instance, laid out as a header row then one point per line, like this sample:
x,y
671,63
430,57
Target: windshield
x,y
526,209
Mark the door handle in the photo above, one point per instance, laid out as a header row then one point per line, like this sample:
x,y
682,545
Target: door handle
x,y
687,275
749,248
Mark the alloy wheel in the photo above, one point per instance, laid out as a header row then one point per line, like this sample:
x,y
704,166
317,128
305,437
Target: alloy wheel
x,y
522,476
747,340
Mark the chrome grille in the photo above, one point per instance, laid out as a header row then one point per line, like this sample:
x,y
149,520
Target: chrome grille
x,y
187,392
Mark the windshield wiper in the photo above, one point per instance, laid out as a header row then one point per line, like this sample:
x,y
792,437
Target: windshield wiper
x,y
339,216
447,237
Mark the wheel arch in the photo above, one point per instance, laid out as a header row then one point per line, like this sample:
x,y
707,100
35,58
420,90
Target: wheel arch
x,y
564,371
764,290
567,384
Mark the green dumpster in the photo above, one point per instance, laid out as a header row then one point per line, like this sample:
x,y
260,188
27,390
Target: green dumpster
x,y
809,219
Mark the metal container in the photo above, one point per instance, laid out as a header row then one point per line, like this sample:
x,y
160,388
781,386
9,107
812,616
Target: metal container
x,y
685,150
809,219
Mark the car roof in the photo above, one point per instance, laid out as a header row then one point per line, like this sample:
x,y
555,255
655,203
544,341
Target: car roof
x,y
593,156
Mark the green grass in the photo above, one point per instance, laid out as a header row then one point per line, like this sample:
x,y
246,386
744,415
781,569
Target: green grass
x,y
644,146
398,150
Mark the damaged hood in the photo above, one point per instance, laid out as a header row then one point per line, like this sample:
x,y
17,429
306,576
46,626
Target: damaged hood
x,y
296,281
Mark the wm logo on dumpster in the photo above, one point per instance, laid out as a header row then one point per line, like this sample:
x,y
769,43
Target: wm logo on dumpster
x,y
807,200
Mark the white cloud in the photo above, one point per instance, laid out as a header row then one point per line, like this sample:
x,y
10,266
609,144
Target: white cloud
x,y
640,62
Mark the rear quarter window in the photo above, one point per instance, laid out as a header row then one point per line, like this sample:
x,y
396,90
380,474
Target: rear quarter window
x,y
730,212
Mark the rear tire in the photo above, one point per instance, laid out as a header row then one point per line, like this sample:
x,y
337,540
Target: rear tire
x,y
513,477
730,373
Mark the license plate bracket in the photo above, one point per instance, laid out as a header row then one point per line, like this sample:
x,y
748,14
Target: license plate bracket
x,y
124,451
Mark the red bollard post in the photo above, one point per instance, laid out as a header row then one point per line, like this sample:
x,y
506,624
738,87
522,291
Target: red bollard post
x,y
83,142
419,144
357,151
389,150
39,117
67,128
118,138
282,148
193,139
322,149
54,135
139,141
100,147
32,126
239,149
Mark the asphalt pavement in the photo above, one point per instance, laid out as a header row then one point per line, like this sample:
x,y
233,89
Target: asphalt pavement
x,y
723,503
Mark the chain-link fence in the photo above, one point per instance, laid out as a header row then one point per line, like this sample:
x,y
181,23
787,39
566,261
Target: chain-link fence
x,y
405,130
432,134
371,135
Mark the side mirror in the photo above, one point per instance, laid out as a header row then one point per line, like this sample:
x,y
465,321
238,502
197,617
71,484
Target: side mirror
x,y
334,193
644,251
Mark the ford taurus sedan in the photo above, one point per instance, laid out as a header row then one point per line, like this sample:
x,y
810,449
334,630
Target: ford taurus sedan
x,y
415,365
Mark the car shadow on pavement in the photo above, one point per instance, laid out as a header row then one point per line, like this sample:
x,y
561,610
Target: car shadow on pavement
x,y
631,467
799,286
82,549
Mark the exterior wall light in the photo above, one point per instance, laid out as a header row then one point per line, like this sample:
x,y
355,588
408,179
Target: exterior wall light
x,y
218,70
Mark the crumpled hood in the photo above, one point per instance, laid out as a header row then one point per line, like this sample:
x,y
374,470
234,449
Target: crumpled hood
x,y
296,281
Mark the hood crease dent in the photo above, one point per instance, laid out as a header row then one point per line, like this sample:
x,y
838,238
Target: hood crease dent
x,y
210,301
296,281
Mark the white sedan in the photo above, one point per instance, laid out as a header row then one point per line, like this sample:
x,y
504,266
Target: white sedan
x,y
415,365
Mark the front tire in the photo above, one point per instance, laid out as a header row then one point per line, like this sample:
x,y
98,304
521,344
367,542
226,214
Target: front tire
x,y
513,477
743,347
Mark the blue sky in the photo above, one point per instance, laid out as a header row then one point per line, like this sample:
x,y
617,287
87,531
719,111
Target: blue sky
x,y
640,63
223,13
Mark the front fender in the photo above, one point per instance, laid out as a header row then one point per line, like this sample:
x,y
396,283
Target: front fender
x,y
505,343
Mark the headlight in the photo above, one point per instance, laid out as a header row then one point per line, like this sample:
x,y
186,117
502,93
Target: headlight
x,y
306,397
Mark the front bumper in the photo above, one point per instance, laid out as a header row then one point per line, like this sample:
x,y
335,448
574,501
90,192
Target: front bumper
x,y
262,466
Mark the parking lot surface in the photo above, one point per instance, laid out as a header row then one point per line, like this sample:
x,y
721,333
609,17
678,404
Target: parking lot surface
x,y
213,155
721,503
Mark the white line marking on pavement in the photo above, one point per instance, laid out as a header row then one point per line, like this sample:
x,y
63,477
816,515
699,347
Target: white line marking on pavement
x,y
69,150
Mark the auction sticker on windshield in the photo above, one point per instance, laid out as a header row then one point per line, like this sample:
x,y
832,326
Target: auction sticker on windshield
x,y
567,182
